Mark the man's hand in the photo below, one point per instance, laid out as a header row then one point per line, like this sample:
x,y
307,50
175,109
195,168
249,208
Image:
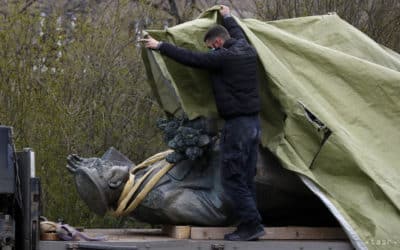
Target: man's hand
x,y
224,11
150,42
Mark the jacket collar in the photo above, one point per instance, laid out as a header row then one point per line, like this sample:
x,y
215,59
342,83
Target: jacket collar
x,y
228,43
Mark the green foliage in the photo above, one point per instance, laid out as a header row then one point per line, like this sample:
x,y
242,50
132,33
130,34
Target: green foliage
x,y
74,90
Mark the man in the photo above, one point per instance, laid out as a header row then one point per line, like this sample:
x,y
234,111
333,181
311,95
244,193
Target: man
x,y
233,68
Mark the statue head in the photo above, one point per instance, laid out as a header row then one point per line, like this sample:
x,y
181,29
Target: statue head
x,y
100,181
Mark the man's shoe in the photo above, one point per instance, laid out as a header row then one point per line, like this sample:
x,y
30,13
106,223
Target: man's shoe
x,y
230,235
246,234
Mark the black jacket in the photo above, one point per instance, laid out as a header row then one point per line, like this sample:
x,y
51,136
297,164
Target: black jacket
x,y
233,71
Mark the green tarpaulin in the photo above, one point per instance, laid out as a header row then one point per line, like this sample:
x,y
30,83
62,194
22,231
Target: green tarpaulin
x,y
330,111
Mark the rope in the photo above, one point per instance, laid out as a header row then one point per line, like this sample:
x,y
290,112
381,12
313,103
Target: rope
x,y
131,186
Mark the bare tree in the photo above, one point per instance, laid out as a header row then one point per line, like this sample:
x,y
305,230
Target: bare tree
x,y
378,19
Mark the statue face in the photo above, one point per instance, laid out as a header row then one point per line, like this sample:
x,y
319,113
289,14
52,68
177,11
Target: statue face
x,y
190,193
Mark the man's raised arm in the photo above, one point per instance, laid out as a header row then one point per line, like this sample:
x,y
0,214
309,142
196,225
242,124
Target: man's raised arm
x,y
230,24
187,57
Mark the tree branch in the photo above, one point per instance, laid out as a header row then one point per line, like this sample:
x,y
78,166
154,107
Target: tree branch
x,y
26,6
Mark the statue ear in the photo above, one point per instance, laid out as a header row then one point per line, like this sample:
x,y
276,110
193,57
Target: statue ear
x,y
115,184
119,175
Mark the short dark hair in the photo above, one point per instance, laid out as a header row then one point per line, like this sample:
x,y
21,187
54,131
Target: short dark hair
x,y
216,31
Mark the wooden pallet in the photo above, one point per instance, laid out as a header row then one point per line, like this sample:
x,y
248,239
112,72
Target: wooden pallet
x,y
272,233
177,232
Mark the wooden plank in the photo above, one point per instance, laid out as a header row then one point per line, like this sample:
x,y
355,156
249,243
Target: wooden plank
x,y
49,236
124,231
177,232
273,233
128,234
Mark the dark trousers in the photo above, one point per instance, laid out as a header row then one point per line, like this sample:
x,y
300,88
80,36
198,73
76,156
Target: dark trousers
x,y
239,147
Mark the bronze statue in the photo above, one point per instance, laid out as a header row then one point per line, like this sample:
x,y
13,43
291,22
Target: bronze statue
x,y
190,193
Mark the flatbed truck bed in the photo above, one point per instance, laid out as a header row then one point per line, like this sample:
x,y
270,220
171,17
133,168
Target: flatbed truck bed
x,y
146,239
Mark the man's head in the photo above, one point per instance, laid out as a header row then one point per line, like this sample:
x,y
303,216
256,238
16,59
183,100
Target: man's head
x,y
216,36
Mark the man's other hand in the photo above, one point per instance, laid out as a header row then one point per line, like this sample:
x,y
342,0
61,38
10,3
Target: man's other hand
x,y
150,42
224,10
